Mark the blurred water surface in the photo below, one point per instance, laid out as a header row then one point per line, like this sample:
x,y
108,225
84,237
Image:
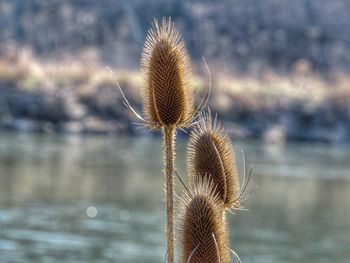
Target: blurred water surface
x,y
99,199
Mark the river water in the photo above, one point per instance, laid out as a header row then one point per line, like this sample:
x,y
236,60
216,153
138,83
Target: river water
x,y
100,199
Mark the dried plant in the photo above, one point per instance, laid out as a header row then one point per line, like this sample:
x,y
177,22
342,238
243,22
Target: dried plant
x,y
167,100
203,228
167,93
168,104
210,154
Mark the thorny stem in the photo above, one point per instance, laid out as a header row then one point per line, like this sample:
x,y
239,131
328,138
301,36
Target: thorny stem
x,y
169,155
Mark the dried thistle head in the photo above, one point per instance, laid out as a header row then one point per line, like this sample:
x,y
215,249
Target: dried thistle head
x,y
210,154
166,94
203,228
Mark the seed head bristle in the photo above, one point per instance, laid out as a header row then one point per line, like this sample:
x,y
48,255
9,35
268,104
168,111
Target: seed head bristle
x,y
166,93
203,227
210,154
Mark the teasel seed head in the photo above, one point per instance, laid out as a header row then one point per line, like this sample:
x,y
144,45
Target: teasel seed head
x,y
210,154
203,227
166,93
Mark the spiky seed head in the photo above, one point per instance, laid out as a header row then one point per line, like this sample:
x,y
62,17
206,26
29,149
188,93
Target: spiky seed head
x,y
210,154
203,227
166,93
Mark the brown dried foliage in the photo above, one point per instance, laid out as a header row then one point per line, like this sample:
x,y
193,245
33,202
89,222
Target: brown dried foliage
x,y
210,154
204,232
166,94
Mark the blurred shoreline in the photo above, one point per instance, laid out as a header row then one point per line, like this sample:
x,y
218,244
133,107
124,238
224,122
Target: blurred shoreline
x,y
76,94
281,69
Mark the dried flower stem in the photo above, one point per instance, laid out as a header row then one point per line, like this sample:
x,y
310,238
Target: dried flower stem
x,y
169,162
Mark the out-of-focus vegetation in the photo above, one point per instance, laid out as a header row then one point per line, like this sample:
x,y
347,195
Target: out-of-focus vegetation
x,y
245,35
77,94
280,68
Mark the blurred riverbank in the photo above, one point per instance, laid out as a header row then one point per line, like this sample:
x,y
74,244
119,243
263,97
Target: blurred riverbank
x,y
76,94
